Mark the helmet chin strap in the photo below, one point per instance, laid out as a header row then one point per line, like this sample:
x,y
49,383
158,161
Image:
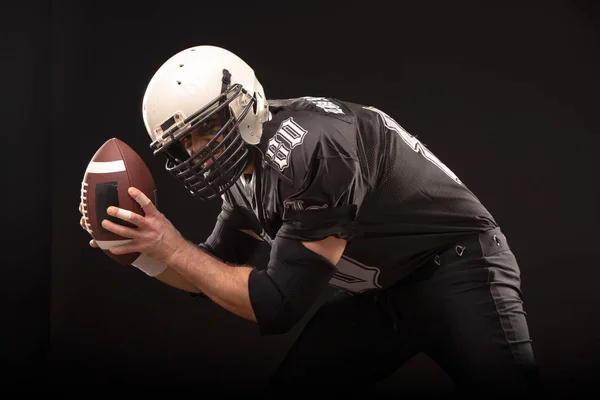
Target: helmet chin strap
x,y
225,82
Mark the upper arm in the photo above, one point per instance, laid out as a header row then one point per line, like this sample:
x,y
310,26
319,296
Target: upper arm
x,y
331,248
322,214
325,205
251,233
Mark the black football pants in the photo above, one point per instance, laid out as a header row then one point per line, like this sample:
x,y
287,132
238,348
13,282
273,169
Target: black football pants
x,y
463,309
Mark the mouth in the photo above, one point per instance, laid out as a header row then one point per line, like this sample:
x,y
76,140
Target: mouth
x,y
210,160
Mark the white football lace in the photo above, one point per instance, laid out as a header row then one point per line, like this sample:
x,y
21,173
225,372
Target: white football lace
x,y
84,207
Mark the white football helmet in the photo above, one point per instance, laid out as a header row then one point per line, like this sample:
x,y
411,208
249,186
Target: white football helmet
x,y
187,90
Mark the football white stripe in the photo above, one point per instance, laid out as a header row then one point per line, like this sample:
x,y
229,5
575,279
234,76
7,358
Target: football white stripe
x,y
107,167
108,244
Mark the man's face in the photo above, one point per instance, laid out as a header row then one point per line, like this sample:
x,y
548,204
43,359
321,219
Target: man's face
x,y
199,137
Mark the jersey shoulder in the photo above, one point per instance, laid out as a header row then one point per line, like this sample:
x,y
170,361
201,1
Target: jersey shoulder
x,y
303,131
316,106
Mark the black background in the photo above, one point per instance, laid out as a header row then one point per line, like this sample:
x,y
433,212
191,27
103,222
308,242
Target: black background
x,y
505,93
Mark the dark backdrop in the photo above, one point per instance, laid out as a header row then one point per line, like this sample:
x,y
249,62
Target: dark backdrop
x,y
506,94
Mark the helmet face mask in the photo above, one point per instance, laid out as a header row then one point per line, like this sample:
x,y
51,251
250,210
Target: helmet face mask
x,y
210,171
208,93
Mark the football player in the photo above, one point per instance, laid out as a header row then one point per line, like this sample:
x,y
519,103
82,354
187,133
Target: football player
x,y
346,198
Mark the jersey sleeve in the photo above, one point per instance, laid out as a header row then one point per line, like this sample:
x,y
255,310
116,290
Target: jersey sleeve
x,y
226,241
231,216
327,203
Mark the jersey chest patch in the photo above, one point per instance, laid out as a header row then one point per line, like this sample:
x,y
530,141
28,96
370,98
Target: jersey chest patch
x,y
288,136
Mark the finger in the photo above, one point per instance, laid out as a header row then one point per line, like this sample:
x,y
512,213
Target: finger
x,y
125,215
118,229
141,199
93,243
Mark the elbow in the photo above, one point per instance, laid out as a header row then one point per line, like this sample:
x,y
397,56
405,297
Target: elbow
x,y
277,311
284,293
281,322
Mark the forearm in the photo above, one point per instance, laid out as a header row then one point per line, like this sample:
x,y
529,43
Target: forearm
x,y
172,278
224,284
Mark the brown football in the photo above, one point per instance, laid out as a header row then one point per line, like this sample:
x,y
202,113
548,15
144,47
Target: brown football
x,y
112,170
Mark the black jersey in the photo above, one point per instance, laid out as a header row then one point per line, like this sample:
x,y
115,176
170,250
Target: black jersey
x,y
327,167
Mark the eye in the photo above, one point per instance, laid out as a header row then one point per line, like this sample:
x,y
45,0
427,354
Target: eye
x,y
187,142
210,125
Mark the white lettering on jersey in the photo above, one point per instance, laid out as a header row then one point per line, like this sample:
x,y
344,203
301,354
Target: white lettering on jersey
x,y
298,205
288,136
414,143
325,104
